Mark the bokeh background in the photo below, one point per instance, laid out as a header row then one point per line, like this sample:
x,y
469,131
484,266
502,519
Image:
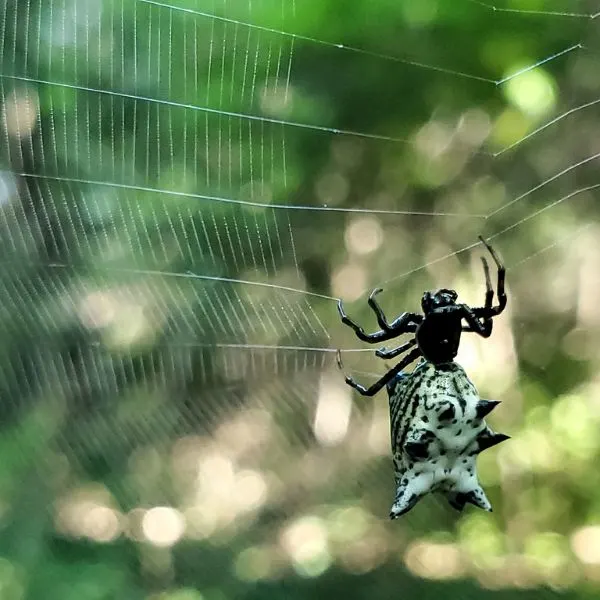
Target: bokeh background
x,y
186,187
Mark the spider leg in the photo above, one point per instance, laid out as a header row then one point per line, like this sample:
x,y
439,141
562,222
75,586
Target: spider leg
x,y
489,290
502,299
403,324
482,328
385,353
487,312
371,391
403,321
381,319
469,329
407,322
371,338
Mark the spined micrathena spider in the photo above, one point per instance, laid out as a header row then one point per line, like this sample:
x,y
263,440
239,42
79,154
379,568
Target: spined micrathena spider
x,y
436,415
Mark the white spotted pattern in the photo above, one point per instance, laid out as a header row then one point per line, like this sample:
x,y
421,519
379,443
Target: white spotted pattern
x,y
438,429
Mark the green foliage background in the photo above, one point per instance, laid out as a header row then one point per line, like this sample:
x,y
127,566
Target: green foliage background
x,y
164,171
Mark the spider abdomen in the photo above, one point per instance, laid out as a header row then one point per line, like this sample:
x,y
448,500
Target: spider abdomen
x,y
437,431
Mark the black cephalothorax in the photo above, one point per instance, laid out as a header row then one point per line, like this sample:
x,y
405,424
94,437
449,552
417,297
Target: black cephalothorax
x,y
436,332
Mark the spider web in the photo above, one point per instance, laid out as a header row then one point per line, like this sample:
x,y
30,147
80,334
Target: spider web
x,y
163,232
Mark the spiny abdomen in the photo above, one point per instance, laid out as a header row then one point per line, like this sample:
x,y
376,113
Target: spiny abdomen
x,y
437,431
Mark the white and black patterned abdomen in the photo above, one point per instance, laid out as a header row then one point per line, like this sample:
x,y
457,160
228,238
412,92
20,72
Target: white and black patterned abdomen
x,y
437,431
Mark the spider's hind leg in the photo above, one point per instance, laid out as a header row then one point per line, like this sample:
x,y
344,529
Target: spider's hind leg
x,y
371,391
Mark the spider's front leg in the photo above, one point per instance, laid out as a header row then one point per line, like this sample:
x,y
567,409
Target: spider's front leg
x,y
371,391
484,329
371,338
489,290
385,353
480,319
405,323
488,310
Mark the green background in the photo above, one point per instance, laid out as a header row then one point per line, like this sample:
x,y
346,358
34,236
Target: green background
x,y
187,187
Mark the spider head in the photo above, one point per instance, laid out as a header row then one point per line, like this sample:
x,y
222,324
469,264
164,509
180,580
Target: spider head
x,y
433,300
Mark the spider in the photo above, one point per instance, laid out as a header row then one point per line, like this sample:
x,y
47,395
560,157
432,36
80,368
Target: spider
x,y
437,331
